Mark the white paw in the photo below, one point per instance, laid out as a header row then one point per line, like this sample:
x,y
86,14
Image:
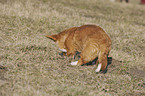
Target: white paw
x,y
74,63
98,68
63,50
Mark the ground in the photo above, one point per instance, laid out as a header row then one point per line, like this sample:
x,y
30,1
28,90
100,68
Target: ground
x,y
30,64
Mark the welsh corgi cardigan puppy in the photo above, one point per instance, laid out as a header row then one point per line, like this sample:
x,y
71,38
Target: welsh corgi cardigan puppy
x,y
90,40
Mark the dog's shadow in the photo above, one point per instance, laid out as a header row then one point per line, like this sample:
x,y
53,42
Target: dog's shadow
x,y
94,62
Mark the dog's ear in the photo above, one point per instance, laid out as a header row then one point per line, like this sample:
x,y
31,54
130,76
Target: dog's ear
x,y
52,37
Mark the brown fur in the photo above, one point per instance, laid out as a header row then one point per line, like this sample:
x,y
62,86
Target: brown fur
x,y
90,40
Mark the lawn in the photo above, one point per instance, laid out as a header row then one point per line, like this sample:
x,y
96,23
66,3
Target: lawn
x,y
30,64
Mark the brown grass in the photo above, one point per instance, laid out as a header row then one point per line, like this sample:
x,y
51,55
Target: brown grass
x,y
31,66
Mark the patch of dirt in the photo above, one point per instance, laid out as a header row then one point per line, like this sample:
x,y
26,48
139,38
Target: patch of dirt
x,y
113,65
137,73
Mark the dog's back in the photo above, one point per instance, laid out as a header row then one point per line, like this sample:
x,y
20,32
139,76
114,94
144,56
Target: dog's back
x,y
88,34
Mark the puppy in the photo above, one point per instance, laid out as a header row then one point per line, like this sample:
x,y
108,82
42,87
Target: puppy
x,y
90,40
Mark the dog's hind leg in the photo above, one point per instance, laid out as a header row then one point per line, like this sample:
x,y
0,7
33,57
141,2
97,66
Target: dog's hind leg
x,y
102,62
89,53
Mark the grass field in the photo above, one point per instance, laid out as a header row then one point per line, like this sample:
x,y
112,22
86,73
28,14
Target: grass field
x,y
31,66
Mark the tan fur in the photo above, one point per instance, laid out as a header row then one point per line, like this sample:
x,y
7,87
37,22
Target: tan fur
x,y
90,40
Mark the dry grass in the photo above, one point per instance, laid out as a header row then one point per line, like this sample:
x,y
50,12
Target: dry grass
x,y
30,64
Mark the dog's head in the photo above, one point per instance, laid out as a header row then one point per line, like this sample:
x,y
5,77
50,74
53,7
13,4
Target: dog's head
x,y
61,37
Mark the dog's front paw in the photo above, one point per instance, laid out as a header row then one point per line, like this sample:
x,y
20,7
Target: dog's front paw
x,y
74,63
